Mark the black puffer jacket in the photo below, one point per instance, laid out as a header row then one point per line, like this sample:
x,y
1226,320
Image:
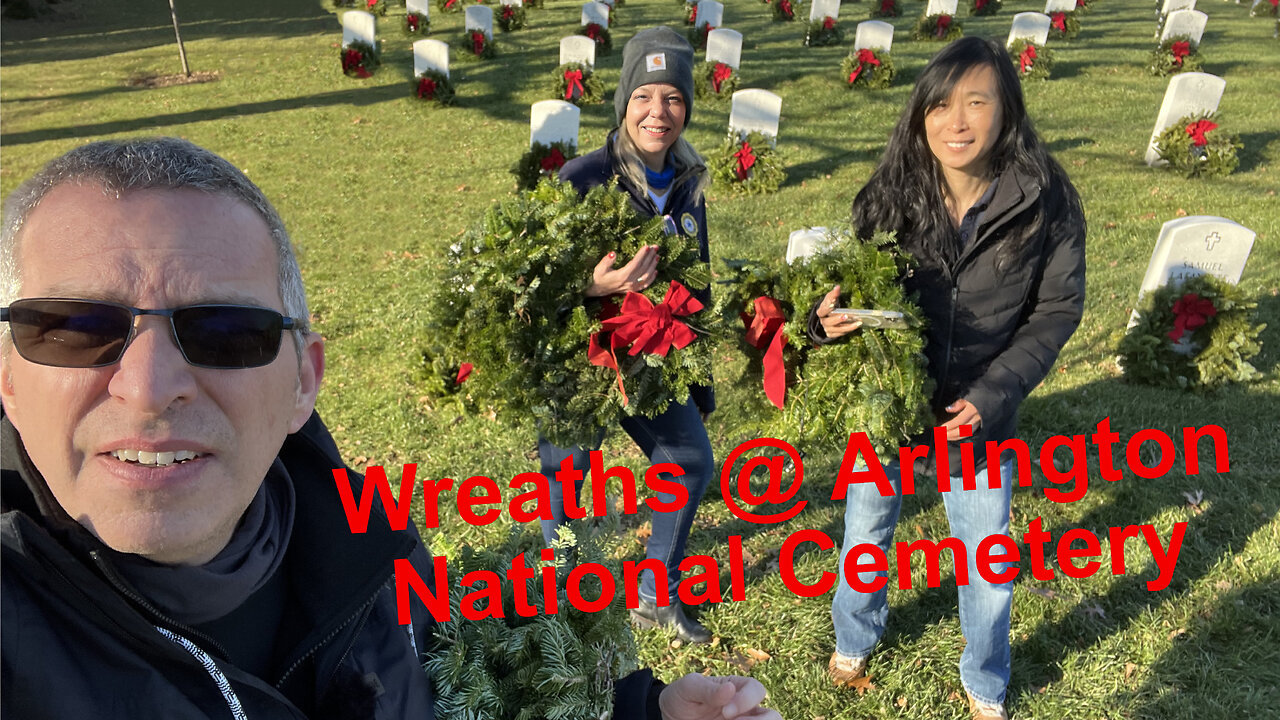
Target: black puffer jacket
x,y
685,205
995,332
75,645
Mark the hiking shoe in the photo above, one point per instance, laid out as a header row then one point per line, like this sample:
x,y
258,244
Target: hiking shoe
x,y
844,670
986,711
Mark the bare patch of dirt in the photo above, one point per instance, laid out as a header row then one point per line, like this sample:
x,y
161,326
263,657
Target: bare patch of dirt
x,y
152,80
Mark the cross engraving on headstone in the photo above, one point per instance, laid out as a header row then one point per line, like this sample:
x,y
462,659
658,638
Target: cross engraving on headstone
x,y
1211,240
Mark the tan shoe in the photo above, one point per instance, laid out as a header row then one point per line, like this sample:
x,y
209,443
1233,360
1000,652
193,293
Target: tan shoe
x,y
985,710
844,670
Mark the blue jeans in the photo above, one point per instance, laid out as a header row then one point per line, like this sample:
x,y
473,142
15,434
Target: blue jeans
x,y
676,436
859,617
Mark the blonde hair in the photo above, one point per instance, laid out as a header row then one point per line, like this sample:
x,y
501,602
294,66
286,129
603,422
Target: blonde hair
x,y
681,155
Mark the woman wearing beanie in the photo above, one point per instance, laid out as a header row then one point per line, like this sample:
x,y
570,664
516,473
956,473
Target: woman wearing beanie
x,y
665,177
998,233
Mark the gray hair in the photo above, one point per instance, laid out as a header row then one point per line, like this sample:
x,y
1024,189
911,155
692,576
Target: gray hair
x,y
141,164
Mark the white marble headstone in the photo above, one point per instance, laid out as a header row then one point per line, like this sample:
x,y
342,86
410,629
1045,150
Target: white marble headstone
x,y
1170,6
874,35
359,26
552,121
595,12
480,17
1198,245
755,111
803,243
420,7
1187,94
819,9
725,46
578,49
512,3
1033,27
1184,22
610,3
710,13
943,7
430,55
1053,6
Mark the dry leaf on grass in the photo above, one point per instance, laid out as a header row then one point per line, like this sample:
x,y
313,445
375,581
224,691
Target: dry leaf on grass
x,y
1043,592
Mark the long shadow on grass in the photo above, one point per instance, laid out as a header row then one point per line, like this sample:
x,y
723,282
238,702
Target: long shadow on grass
x,y
1251,154
359,96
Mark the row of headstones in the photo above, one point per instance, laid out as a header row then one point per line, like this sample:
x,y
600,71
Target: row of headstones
x,y
361,26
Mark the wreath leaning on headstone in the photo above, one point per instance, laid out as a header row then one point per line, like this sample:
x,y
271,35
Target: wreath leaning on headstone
x,y
1175,55
697,35
874,381
1265,8
577,83
748,165
541,161
821,33
885,9
715,81
417,23
360,59
599,33
434,85
1063,26
1197,335
984,7
867,68
783,10
1084,6
449,5
1031,61
377,7
560,664
1195,147
511,301
510,17
940,27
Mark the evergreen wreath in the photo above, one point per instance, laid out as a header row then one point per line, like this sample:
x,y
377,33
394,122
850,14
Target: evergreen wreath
x,y
360,59
748,165
512,302
1175,55
1194,147
867,68
690,12
538,4
417,23
984,7
477,45
885,9
826,31
377,7
714,81
449,5
873,381
697,36
1266,8
510,17
1084,6
580,89
784,10
559,665
433,85
1063,26
1031,61
604,40
940,27
1198,335
541,161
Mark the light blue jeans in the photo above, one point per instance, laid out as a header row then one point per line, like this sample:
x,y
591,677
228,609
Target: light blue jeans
x,y
859,617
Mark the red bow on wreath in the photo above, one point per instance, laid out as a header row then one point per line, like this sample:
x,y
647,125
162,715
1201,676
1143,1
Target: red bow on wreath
x,y
372,3
645,327
944,22
1027,58
426,88
719,74
449,3
477,41
887,7
593,31
1197,130
828,22
865,57
746,158
1275,3
1060,21
508,12
979,4
411,21
693,16
574,80
353,61
764,329
1180,49
464,372
553,161
786,8
1190,312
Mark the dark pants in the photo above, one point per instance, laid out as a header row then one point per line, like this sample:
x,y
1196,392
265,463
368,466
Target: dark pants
x,y
676,436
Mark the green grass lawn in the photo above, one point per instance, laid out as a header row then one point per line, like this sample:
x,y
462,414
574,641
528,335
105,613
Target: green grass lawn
x,y
374,185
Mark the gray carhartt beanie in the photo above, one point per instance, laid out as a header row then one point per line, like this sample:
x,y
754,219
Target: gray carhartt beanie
x,y
655,55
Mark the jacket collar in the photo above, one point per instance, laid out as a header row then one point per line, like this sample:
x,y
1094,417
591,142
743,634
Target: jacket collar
x,y
1015,193
680,187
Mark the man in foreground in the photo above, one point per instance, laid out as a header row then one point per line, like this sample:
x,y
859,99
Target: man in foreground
x,y
173,542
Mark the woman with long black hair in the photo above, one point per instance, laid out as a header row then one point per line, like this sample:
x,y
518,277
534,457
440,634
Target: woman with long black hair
x,y
998,233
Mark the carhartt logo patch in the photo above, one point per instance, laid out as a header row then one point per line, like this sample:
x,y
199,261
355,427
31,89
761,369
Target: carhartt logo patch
x,y
655,62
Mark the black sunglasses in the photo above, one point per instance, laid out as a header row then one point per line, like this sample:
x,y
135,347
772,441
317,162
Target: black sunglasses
x,y
91,333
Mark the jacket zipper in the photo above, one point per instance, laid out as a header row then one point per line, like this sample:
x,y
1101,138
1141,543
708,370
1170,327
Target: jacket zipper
x,y
328,638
